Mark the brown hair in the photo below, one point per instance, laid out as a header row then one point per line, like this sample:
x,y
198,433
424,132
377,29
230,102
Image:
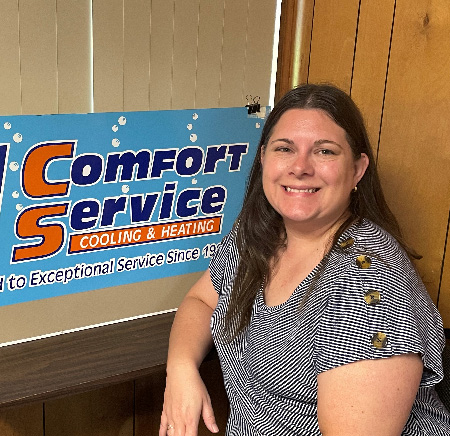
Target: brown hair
x,y
260,229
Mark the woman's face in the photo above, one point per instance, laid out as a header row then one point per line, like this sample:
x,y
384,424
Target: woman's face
x,y
308,169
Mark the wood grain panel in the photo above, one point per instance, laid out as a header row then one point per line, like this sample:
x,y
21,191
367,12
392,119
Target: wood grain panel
x,y
258,53
108,50
74,56
414,157
333,42
207,86
232,92
371,62
22,421
161,53
444,291
149,402
136,63
79,361
10,102
105,412
38,52
185,53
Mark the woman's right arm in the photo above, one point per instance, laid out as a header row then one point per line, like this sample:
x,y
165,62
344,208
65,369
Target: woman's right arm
x,y
186,397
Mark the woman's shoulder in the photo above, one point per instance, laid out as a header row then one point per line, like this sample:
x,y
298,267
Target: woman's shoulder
x,y
369,257
368,234
369,242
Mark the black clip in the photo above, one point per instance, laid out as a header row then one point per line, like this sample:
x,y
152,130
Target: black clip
x,y
253,105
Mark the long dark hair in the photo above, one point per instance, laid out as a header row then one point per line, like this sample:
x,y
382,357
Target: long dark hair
x,y
260,229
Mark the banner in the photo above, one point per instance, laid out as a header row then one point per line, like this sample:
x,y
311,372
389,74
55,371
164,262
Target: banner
x,y
89,201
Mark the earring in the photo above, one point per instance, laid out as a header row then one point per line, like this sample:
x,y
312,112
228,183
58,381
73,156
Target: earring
x,y
355,189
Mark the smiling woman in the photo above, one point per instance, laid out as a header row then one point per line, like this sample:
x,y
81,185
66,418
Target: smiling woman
x,y
309,169
310,295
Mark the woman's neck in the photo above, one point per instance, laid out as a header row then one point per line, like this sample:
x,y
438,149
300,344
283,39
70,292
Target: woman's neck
x,y
313,237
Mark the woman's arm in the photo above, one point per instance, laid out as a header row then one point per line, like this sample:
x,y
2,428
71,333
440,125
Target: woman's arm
x,y
185,397
368,397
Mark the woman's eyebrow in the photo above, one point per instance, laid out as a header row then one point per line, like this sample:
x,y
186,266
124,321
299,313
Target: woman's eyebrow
x,y
327,141
285,140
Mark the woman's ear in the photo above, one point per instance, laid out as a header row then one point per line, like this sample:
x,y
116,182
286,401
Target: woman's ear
x,y
361,165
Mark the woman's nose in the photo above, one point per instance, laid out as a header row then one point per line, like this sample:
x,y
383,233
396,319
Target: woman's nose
x,y
302,164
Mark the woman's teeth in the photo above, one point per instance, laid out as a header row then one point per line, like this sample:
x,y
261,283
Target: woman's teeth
x,y
288,189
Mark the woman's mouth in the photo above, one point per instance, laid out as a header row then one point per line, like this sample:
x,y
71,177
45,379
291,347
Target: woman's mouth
x,y
308,190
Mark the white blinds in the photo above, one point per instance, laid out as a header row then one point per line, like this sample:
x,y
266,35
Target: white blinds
x,y
68,56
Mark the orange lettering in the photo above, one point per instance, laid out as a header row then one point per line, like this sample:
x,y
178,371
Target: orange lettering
x,y
34,180
28,225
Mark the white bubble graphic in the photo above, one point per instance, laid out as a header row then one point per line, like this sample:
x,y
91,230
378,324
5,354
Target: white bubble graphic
x,y
125,189
194,116
194,181
19,206
86,170
193,137
189,162
122,121
115,142
115,128
257,125
13,166
7,126
15,194
189,126
17,137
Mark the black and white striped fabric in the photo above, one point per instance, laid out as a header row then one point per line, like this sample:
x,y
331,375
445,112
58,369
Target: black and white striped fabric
x,y
367,303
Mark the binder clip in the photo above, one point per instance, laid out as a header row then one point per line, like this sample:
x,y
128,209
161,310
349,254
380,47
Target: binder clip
x,y
253,105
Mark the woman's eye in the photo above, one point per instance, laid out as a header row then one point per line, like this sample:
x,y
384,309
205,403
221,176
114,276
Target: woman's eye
x,y
326,151
283,149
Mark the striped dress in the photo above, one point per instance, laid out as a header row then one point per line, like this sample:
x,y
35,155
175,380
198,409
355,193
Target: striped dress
x,y
367,303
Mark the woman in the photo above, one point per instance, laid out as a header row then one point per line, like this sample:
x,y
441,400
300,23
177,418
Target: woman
x,y
320,320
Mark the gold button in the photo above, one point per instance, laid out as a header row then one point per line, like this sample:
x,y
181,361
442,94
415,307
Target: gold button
x,y
363,261
347,243
379,340
372,297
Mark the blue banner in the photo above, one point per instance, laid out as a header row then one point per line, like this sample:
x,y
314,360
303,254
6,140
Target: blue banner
x,y
89,201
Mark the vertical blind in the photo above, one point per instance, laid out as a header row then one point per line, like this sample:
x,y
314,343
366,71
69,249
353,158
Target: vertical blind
x,y
67,56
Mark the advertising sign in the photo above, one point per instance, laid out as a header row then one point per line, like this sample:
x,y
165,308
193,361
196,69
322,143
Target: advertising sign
x,y
89,201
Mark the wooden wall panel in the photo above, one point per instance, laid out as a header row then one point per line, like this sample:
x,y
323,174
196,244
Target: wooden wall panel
x,y
105,412
38,56
10,80
149,402
136,62
414,156
74,56
333,42
108,40
161,52
22,421
210,34
371,63
444,291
